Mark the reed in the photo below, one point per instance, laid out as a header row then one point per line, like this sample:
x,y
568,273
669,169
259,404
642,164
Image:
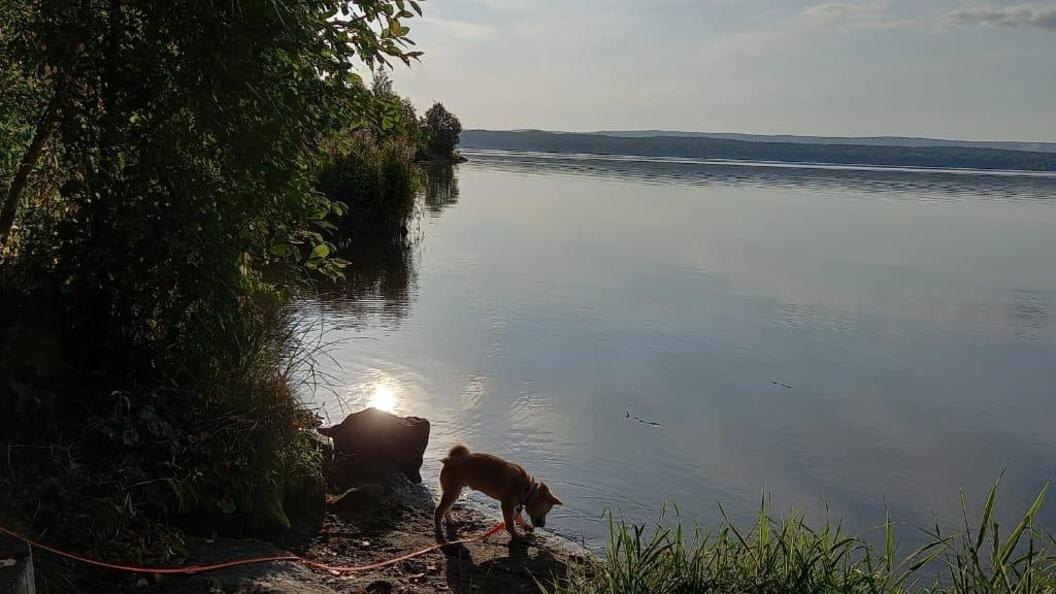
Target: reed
x,y
788,556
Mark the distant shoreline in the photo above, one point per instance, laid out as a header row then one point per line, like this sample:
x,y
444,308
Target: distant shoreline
x,y
612,158
949,158
1039,146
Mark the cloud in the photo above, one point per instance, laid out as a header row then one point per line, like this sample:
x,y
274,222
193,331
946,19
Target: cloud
x,y
869,14
786,34
876,14
1022,15
455,29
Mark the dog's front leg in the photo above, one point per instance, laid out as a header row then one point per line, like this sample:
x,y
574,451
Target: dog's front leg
x,y
444,509
510,517
523,523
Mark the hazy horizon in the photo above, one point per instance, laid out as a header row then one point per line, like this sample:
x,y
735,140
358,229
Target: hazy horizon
x,y
738,132
947,69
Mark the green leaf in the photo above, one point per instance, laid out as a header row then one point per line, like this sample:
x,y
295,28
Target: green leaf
x,y
988,511
1028,519
279,249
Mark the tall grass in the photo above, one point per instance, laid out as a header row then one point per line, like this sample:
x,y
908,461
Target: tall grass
x,y
788,556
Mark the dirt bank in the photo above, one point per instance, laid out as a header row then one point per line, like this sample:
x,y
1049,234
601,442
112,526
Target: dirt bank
x,y
376,528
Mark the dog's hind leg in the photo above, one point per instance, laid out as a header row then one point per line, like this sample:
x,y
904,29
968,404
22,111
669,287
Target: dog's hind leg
x,y
443,510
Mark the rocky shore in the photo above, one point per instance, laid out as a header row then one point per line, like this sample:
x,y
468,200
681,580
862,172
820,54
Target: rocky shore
x,y
375,512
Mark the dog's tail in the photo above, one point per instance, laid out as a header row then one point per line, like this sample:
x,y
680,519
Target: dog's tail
x,y
455,452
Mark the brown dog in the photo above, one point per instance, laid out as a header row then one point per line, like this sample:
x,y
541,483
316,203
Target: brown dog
x,y
515,489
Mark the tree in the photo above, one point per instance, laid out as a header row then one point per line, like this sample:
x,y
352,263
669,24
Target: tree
x,y
189,120
188,135
392,117
440,129
263,77
28,108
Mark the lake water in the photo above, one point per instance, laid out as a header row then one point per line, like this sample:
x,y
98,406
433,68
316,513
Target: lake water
x,y
829,337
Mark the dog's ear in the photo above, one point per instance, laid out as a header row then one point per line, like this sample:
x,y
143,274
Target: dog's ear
x,y
555,500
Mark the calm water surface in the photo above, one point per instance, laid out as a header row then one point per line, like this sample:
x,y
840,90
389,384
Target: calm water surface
x,y
829,337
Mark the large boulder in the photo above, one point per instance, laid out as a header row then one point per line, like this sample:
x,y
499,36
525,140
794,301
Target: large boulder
x,y
376,439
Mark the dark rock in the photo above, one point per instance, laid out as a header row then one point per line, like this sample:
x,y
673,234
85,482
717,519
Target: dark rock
x,y
380,587
377,439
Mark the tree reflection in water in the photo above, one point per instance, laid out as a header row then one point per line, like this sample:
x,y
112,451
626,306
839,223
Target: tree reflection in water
x,y
381,279
440,188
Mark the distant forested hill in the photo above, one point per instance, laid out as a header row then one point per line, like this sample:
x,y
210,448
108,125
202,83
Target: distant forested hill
x,y
1005,145
791,152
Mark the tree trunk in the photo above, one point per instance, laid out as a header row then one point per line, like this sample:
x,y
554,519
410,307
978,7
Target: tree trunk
x,y
45,128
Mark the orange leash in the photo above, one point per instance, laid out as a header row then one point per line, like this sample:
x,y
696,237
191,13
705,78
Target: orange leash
x,y
337,569
193,569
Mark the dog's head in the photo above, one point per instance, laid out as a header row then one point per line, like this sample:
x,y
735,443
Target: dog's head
x,y
540,504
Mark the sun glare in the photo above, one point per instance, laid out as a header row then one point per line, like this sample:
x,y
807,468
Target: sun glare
x,y
383,398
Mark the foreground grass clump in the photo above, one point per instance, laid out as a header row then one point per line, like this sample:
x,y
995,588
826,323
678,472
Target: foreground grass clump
x,y
787,556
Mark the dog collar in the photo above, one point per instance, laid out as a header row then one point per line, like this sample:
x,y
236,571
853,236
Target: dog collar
x,y
531,493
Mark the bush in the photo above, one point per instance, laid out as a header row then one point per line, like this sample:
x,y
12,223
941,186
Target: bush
x,y
119,466
375,181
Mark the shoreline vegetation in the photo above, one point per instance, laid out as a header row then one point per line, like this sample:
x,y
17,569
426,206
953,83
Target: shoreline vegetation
x,y
788,555
704,147
171,180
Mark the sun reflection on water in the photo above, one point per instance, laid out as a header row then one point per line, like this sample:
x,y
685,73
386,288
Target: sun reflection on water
x,y
383,398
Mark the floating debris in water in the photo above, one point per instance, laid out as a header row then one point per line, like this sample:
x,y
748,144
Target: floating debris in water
x,y
782,385
642,421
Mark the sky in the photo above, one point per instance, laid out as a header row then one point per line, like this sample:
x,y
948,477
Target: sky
x,y
962,69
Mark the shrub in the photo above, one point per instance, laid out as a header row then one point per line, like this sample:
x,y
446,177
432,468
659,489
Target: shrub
x,y
440,130
375,181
